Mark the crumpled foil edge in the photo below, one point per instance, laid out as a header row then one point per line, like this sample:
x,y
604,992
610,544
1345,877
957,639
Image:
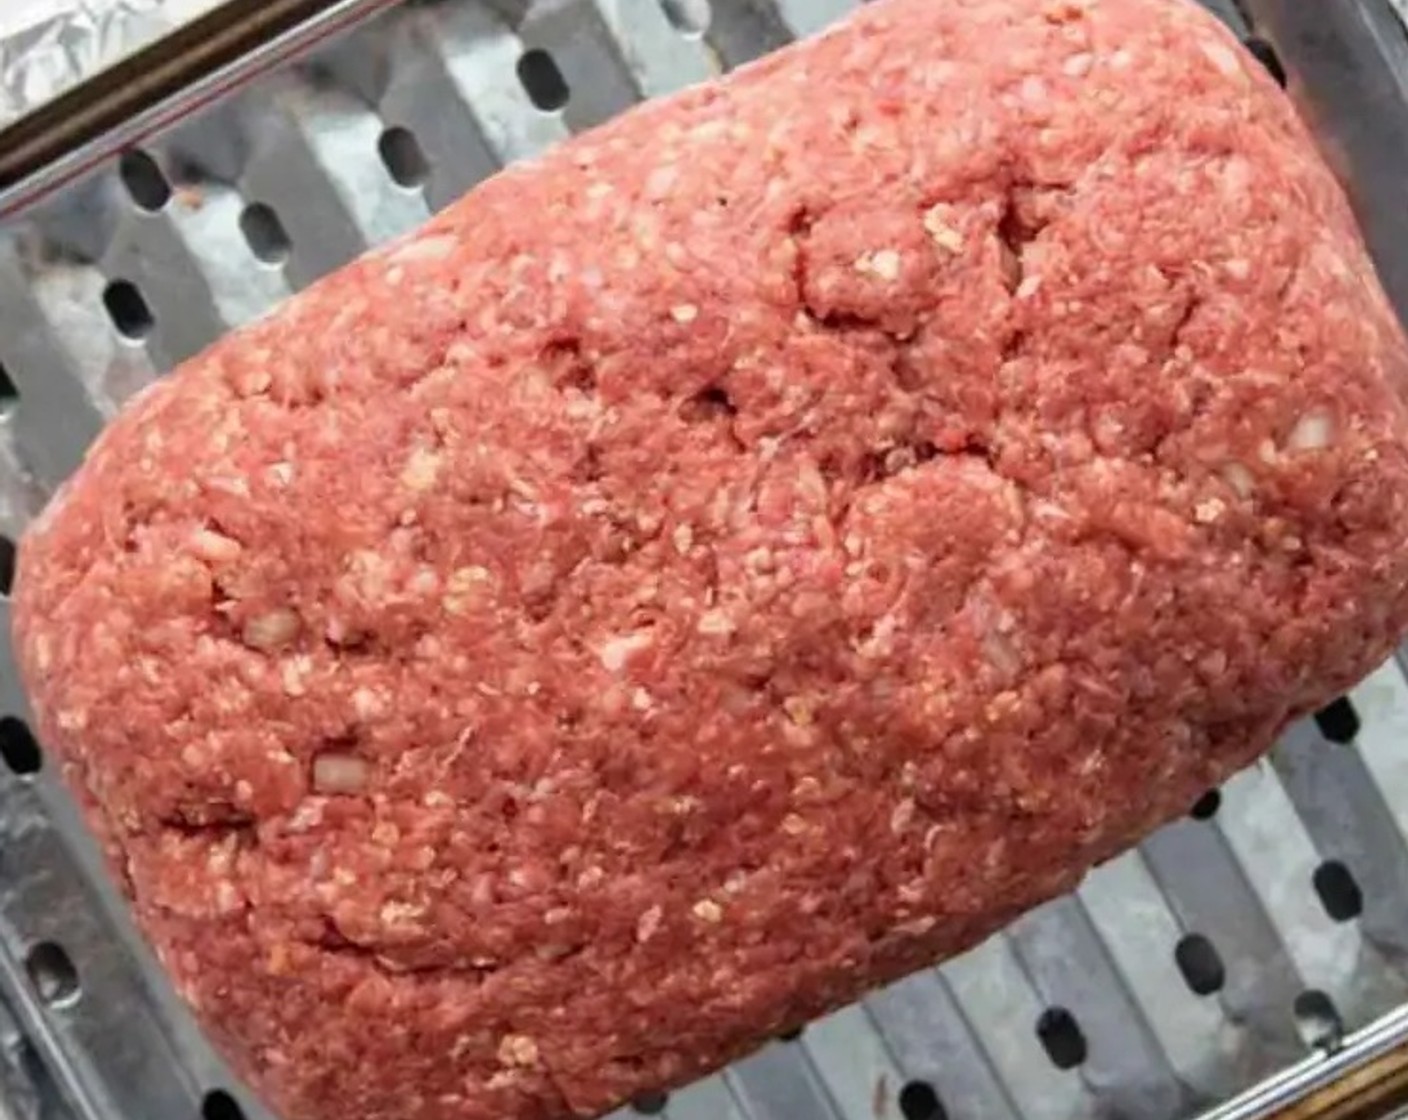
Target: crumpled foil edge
x,y
50,46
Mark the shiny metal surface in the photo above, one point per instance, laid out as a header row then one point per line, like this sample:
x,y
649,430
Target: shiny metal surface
x,y
1356,108
1262,938
191,67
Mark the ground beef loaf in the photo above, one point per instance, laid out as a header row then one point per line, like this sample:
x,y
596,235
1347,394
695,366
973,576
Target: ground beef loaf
x,y
748,554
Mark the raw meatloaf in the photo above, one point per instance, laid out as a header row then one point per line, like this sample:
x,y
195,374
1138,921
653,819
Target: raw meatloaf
x,y
748,554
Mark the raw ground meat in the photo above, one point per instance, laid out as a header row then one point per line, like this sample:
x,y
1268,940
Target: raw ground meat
x,y
744,556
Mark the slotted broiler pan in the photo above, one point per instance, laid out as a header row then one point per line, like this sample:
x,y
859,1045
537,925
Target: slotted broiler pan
x,y
1248,961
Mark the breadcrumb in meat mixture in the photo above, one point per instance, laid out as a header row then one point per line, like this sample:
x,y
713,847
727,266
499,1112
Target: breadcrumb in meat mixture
x,y
750,553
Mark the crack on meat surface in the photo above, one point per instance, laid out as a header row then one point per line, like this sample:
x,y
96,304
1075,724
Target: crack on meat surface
x,y
1022,220
212,818
1193,305
876,466
360,642
1027,210
709,404
570,368
799,227
624,539
853,468
909,375
367,642
222,602
802,227
588,468
392,959
713,405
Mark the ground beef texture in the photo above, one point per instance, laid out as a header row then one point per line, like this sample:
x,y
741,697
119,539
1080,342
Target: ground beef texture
x,y
743,556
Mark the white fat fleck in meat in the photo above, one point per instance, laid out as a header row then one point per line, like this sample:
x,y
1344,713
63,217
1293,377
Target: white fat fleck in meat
x,y
227,898
800,710
42,651
939,225
649,923
1209,510
367,703
917,927
716,624
707,910
1001,652
369,576
1033,90
421,470
434,248
884,264
466,588
1239,478
235,485
615,653
340,773
661,182
309,814
1078,65
880,642
424,581
518,1050
397,913
1029,287
221,860
1222,56
271,630
1237,178
215,548
386,833
591,877
294,674
1314,431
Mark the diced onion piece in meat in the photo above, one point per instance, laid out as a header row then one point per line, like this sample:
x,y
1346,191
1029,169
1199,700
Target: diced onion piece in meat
x,y
271,630
1313,432
1240,479
340,773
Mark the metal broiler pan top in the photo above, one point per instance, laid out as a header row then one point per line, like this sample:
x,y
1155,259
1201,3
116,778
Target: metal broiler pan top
x,y
1242,959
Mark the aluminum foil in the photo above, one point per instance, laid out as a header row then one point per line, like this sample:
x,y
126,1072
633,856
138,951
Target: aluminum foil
x,y
49,46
